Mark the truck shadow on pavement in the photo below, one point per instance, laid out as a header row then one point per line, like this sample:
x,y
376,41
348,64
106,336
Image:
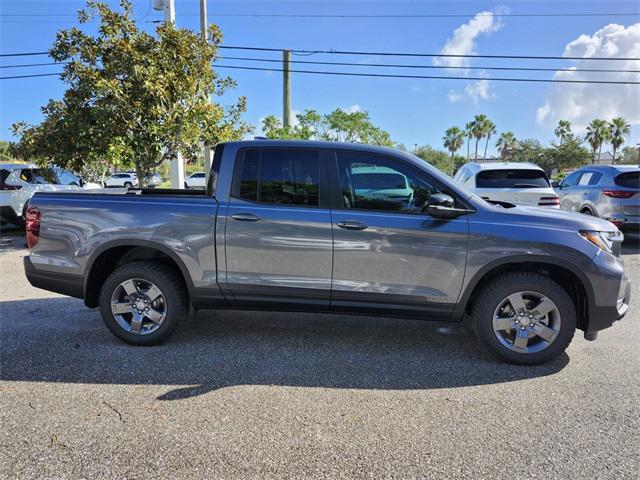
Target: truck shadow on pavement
x,y
59,340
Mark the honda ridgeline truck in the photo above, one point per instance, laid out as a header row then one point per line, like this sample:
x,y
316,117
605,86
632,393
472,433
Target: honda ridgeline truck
x,y
331,227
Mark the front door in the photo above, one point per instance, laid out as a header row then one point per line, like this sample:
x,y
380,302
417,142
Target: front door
x,y
389,257
278,232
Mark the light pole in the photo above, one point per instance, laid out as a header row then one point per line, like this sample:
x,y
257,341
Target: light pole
x,y
203,32
177,165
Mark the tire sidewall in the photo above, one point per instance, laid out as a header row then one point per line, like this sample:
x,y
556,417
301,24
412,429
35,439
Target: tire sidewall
x,y
507,285
160,276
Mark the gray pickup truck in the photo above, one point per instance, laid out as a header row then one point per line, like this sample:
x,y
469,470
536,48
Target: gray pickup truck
x,y
331,227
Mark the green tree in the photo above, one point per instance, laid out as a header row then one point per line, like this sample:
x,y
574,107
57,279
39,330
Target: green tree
x,y
563,130
619,129
468,129
339,125
489,130
6,152
132,98
506,144
570,153
529,150
438,158
630,155
598,132
478,129
453,140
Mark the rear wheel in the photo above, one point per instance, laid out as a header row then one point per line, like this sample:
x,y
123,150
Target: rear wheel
x,y
524,318
128,184
142,302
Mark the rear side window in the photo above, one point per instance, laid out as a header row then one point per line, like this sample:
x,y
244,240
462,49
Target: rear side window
x,y
590,178
516,178
281,177
3,175
629,180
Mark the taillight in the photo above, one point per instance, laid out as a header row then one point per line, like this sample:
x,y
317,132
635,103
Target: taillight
x,y
549,201
619,193
10,187
32,223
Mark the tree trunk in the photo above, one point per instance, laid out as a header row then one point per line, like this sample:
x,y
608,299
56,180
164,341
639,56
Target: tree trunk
x,y
484,157
468,142
140,174
613,161
476,156
599,153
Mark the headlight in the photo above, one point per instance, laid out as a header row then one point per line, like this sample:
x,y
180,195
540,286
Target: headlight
x,y
603,240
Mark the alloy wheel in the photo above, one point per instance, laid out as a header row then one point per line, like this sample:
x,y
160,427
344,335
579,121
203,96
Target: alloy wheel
x,y
138,306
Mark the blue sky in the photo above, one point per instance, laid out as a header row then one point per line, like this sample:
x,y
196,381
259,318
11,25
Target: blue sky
x,y
414,111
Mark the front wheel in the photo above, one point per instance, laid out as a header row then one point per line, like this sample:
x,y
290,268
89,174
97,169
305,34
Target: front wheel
x,y
142,302
128,184
524,318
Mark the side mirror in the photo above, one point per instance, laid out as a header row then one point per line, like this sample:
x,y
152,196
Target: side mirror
x,y
442,206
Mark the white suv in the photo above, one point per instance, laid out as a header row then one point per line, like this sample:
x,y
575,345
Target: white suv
x,y
19,181
517,183
122,180
196,180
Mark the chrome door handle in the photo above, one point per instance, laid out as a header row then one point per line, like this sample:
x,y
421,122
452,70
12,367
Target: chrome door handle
x,y
245,217
351,225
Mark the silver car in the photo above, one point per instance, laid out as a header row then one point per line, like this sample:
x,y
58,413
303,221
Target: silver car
x,y
611,192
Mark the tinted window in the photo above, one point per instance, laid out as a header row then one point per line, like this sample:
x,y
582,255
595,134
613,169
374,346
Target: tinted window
x,y
38,176
198,175
283,177
3,175
571,180
516,178
378,183
629,180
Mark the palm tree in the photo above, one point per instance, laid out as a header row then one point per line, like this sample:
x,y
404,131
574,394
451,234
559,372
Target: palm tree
x,y
619,129
563,130
489,129
478,126
597,134
468,131
453,141
506,143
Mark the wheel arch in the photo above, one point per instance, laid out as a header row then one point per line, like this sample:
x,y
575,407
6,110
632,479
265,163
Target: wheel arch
x,y
113,254
569,276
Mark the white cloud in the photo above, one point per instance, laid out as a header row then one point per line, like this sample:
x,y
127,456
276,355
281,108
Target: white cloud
x,y
475,91
353,108
463,41
581,103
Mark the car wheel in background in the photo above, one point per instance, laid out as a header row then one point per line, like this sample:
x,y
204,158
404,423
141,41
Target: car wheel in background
x,y
524,318
142,302
128,184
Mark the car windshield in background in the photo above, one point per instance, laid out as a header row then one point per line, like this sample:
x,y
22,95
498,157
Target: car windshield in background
x,y
516,178
629,180
379,181
38,176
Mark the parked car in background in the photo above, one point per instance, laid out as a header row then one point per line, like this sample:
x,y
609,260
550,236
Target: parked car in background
x,y
19,181
196,180
154,180
611,192
126,180
285,227
517,183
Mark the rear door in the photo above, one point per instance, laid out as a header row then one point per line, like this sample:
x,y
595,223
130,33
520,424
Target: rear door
x,y
278,231
389,257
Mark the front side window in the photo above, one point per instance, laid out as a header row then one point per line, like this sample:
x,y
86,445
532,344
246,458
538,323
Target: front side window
x,y
516,178
571,180
281,177
369,182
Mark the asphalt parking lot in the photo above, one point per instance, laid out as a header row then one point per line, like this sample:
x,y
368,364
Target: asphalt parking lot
x,y
243,394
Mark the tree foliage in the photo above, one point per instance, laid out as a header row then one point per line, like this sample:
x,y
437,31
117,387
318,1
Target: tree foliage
x,y
339,125
619,129
439,159
132,98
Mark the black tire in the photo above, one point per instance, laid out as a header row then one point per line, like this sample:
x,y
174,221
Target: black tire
x,y
166,279
507,284
587,211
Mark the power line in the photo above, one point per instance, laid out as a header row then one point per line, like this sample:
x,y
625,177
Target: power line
x,y
384,75
389,54
436,55
384,65
30,76
434,77
339,15
440,67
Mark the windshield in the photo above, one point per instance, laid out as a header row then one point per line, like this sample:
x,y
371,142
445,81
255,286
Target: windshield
x,y
38,176
516,178
629,180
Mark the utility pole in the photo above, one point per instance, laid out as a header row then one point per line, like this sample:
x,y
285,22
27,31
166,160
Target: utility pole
x,y
203,32
177,165
286,88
